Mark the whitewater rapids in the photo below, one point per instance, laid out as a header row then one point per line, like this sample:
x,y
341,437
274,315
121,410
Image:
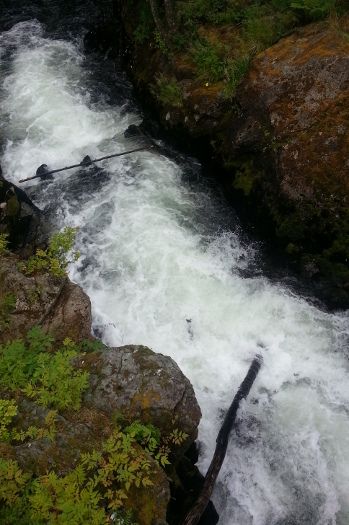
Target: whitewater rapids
x,y
166,265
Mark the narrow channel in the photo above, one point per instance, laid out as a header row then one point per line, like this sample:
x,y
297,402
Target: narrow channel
x,y
166,264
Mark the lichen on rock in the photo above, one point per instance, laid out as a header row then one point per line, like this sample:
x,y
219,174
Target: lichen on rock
x,y
295,114
143,385
56,304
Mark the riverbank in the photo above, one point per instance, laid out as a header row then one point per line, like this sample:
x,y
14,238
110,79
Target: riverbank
x,y
66,399
278,137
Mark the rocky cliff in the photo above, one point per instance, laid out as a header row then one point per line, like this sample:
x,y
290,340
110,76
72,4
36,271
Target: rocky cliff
x,y
281,138
64,397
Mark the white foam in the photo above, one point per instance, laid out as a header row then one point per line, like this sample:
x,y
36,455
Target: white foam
x,y
157,275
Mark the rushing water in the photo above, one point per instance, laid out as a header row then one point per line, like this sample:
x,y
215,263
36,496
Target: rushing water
x,y
165,264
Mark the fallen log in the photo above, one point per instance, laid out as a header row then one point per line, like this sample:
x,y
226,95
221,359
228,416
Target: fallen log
x,y
193,517
87,161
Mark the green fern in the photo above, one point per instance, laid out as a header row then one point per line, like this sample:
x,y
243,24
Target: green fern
x,y
43,375
3,243
54,259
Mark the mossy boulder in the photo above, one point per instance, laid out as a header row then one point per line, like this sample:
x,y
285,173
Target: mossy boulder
x,y
82,432
128,384
295,122
140,384
123,389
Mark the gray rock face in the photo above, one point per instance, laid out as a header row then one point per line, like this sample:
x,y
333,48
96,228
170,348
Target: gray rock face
x,y
143,385
70,315
57,305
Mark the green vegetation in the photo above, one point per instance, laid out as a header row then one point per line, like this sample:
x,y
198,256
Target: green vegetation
x,y
145,27
7,305
220,37
313,9
54,258
41,374
209,60
8,410
89,493
96,487
245,177
168,91
217,12
3,243
235,71
9,433
160,43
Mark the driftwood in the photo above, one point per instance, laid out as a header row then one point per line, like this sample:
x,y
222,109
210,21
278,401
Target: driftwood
x,y
84,163
198,509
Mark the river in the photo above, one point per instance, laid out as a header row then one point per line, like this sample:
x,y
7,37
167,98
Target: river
x,y
167,264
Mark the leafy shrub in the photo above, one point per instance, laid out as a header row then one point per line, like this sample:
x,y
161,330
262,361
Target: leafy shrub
x,y
208,60
48,377
7,305
96,488
54,258
168,91
12,481
161,44
313,9
234,72
8,410
9,433
3,243
145,27
149,438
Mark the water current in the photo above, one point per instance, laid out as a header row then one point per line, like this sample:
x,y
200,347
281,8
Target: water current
x,y
166,264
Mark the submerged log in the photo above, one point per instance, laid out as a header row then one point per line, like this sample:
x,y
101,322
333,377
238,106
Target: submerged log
x,y
193,517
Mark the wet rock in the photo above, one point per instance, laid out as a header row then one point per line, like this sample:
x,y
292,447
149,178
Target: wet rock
x,y
186,485
295,126
70,315
149,505
282,140
133,131
143,385
20,219
135,383
59,306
